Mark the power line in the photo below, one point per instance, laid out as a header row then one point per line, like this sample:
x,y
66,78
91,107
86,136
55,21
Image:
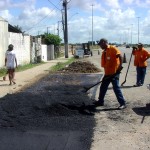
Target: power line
x,y
54,5
69,1
40,20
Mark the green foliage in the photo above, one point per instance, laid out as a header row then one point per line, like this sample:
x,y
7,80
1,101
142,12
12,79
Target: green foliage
x,y
58,54
61,65
20,68
2,72
18,28
51,39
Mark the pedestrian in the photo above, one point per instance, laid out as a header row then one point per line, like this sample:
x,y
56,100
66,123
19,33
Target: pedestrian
x,y
111,61
11,63
140,62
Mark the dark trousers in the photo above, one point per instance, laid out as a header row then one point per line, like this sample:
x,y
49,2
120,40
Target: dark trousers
x,y
116,88
141,72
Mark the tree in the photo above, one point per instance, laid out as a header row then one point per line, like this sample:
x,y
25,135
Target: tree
x,y
19,28
51,39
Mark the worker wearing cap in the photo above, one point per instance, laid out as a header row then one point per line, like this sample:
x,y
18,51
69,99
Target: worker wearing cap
x,y
141,55
111,61
11,63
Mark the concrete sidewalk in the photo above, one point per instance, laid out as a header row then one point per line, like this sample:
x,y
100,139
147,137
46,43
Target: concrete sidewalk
x,y
25,78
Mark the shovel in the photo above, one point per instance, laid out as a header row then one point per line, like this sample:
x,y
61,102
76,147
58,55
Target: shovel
x,y
88,88
127,71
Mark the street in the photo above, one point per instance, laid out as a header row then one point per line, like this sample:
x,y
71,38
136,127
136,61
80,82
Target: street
x,y
55,114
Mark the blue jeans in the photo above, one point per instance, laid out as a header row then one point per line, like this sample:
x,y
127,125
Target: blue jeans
x,y
116,88
141,72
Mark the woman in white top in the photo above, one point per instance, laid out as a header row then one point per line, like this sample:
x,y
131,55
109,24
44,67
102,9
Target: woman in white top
x,y
11,63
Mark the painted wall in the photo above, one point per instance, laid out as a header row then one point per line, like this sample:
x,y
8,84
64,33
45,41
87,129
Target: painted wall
x,y
21,46
3,40
44,52
50,52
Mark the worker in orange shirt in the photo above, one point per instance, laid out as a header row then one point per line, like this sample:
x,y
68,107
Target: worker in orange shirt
x,y
111,61
141,55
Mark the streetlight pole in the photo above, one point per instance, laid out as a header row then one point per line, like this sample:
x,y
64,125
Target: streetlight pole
x,y
138,29
131,33
92,25
47,30
128,35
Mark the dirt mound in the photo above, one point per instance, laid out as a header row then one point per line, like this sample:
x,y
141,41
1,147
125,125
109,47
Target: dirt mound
x,y
81,67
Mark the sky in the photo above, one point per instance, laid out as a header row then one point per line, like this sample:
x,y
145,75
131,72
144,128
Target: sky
x,y
118,21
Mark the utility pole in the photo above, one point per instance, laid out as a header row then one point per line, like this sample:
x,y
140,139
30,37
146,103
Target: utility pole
x,y
62,11
58,28
66,29
92,25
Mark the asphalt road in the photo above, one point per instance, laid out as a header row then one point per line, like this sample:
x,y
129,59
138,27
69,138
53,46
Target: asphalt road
x,y
54,114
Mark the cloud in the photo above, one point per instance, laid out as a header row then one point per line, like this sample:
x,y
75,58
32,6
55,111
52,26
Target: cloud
x,y
112,3
119,18
35,17
129,1
6,4
85,4
113,25
6,15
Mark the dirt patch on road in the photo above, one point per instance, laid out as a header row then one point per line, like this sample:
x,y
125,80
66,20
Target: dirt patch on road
x,y
81,67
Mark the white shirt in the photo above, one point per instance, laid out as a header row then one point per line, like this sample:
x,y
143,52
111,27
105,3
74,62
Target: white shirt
x,y
10,56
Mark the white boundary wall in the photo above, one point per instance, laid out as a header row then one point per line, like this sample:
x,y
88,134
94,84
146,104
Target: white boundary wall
x,y
21,46
44,52
3,40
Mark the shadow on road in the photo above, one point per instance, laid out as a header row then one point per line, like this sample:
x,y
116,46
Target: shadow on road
x,y
142,111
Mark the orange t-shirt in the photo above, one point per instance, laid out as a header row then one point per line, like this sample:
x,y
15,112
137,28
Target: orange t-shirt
x,y
140,57
109,60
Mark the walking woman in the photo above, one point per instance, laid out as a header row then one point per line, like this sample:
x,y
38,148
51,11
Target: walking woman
x,y
11,63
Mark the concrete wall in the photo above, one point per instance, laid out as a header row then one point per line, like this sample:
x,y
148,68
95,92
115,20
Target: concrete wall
x,y
21,46
3,40
44,52
50,52
35,49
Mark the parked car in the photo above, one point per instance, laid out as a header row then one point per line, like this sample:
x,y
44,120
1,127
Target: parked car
x,y
127,46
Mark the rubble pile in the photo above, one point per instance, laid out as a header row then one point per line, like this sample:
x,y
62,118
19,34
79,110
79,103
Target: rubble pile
x,y
81,67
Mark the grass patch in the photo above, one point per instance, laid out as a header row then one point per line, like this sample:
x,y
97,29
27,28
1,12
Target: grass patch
x,y
61,65
2,72
27,66
20,68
